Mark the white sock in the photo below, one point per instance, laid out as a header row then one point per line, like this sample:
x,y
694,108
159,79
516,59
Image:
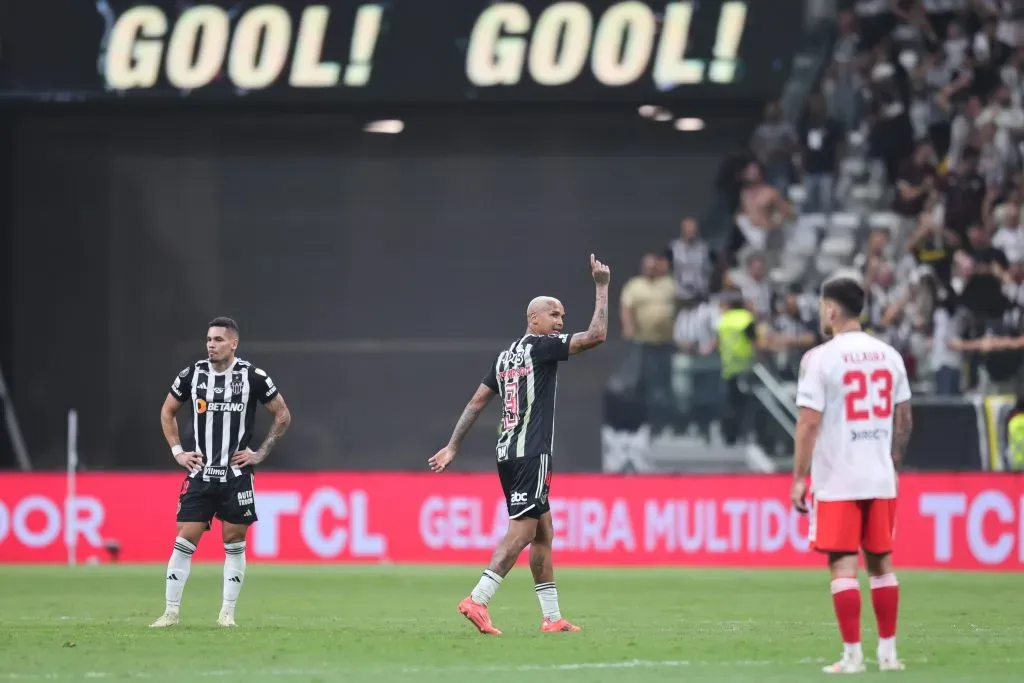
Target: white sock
x,y
486,587
234,574
178,569
853,651
886,648
548,596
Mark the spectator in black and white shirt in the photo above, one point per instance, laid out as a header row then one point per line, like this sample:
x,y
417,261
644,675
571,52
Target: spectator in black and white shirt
x,y
692,262
793,333
755,286
696,327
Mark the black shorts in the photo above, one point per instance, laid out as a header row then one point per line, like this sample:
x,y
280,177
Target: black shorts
x,y
233,501
526,483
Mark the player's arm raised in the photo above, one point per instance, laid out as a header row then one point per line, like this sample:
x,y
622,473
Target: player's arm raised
x,y
598,330
440,460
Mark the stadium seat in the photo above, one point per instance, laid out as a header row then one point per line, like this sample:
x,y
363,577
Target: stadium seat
x,y
797,194
884,220
840,247
844,223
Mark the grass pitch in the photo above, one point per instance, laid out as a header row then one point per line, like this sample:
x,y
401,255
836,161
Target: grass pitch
x,y
383,623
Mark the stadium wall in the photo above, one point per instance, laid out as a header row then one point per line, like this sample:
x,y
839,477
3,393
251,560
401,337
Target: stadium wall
x,y
945,521
374,276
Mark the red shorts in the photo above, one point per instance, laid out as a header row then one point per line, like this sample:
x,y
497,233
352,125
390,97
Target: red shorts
x,y
847,526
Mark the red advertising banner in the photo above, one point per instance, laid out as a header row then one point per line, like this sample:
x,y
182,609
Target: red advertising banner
x,y
960,521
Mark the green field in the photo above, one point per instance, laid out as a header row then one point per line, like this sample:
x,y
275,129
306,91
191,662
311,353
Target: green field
x,y
299,623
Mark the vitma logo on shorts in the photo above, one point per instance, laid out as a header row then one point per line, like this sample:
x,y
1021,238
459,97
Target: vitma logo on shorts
x,y
245,498
517,498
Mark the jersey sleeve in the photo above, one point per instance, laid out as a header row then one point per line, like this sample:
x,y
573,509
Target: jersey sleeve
x,y
810,387
180,386
551,348
901,388
264,387
490,380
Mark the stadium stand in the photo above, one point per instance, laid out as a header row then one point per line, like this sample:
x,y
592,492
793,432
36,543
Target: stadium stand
x,y
904,167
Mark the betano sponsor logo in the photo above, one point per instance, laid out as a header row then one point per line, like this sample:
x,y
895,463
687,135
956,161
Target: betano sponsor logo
x,y
204,406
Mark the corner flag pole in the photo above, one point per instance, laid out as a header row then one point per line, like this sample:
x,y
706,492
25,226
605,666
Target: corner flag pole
x,y
70,509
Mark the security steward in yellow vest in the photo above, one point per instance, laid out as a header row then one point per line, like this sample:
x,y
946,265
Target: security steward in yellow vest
x,y
1015,440
737,346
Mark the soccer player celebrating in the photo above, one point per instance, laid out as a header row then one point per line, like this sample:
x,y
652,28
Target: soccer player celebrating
x,y
224,391
852,431
524,376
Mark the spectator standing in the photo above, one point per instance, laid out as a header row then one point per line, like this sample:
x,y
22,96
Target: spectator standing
x,y
843,81
916,181
647,313
947,355
964,192
692,262
1009,236
932,244
792,335
821,140
773,143
755,286
762,211
983,285
698,370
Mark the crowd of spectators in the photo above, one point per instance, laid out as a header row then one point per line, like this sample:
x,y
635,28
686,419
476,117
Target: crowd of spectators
x,y
932,91
935,87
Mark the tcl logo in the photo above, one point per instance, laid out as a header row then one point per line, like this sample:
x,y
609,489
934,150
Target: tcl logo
x,y
191,51
36,521
330,523
620,44
993,525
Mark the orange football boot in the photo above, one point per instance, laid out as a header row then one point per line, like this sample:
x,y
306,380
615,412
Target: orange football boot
x,y
555,626
477,614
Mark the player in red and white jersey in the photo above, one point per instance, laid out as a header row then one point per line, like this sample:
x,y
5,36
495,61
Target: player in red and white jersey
x,y
853,428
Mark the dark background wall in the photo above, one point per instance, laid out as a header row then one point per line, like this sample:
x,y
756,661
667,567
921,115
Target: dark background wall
x,y
373,276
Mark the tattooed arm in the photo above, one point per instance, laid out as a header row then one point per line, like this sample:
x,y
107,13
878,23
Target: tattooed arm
x,y
440,460
282,420
469,415
903,425
598,330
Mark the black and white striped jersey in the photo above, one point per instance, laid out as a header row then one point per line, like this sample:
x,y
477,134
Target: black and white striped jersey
x,y
223,411
525,377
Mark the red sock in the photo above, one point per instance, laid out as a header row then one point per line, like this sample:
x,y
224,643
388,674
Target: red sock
x,y
885,596
846,600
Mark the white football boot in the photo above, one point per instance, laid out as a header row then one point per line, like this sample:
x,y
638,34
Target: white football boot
x,y
849,664
890,663
168,618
